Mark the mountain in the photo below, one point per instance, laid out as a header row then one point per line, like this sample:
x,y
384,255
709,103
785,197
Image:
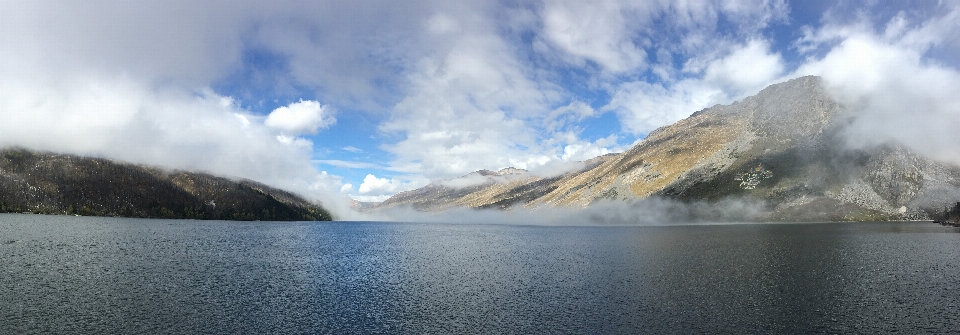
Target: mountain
x,y
783,147
485,189
65,184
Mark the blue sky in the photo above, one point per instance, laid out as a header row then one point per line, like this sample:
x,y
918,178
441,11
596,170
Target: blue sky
x,y
363,99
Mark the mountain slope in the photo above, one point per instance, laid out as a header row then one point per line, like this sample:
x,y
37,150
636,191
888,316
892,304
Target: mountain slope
x,y
783,147
486,189
66,184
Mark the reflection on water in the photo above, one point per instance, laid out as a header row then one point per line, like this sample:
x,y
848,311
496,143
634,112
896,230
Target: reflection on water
x,y
107,275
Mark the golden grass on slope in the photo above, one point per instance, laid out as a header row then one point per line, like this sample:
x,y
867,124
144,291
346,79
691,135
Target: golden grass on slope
x,y
654,163
493,194
686,149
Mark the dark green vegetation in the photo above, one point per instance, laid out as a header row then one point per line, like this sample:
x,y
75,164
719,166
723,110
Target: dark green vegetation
x,y
48,183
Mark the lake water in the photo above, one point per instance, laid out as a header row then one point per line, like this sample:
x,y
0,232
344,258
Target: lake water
x,y
72,275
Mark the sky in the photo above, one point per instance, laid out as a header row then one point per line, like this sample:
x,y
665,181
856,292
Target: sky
x,y
362,99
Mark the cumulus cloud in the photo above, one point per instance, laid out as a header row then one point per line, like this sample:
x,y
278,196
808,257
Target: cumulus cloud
x,y
303,117
375,189
372,184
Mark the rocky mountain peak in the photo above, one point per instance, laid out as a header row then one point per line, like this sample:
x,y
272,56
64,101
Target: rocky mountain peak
x,y
511,171
781,147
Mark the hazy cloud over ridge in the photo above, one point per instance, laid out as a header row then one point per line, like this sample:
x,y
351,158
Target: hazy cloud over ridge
x,y
882,75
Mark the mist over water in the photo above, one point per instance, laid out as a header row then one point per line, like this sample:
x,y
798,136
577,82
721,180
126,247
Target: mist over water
x,y
641,212
111,275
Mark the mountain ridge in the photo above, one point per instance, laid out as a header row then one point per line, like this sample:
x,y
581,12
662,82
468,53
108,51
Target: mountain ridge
x,y
783,147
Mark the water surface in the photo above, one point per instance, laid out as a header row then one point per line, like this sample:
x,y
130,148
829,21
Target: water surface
x,y
63,274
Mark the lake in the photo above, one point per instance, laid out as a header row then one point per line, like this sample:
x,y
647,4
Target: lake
x,y
61,274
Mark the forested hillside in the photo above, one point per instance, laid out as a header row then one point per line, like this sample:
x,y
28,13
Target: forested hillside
x,y
50,183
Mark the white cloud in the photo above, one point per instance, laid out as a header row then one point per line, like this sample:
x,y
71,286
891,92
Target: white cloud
x,y
746,70
616,34
376,187
120,81
582,151
473,179
127,120
643,107
895,93
563,117
741,71
372,198
472,105
303,117
467,109
295,141
596,31
243,119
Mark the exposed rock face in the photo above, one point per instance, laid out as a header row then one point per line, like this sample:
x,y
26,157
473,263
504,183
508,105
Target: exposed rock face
x,y
66,184
792,131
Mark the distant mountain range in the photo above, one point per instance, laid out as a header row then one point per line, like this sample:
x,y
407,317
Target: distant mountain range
x,y
783,148
50,183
